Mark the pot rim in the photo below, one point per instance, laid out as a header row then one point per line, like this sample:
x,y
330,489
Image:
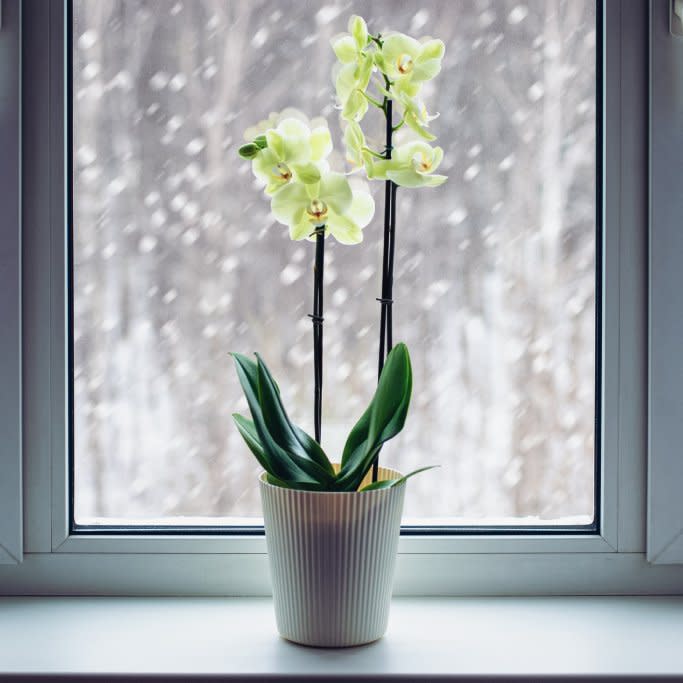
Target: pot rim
x,y
390,473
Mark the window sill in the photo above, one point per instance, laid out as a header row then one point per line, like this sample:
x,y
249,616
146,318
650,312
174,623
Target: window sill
x,y
234,638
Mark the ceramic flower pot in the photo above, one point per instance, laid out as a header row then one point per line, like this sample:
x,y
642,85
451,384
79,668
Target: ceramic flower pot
x,y
332,558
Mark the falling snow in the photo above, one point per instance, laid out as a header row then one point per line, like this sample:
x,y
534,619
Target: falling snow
x,y
178,261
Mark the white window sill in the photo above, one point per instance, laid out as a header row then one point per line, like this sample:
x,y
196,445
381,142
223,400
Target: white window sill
x,y
236,637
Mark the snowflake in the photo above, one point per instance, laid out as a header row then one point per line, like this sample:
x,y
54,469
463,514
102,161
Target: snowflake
x,y
158,81
518,14
260,37
87,39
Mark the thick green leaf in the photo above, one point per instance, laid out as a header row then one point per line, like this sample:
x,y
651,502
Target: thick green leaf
x,y
358,436
305,452
390,483
314,450
390,404
292,458
383,419
299,486
281,462
248,431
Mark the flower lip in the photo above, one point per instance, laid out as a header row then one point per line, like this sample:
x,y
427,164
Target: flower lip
x,y
404,64
422,162
317,212
282,172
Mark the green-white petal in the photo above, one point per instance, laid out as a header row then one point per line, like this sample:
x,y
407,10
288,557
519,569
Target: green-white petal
x,y
276,144
434,180
399,44
321,143
409,150
411,178
359,30
405,87
289,203
426,70
343,229
296,140
313,190
306,173
300,230
431,49
262,165
369,163
437,158
377,168
335,191
345,82
354,141
407,178
414,124
378,58
293,128
355,107
364,71
353,136
345,49
362,208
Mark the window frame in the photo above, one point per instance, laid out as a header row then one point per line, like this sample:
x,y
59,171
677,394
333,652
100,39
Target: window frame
x,y
665,371
611,561
11,532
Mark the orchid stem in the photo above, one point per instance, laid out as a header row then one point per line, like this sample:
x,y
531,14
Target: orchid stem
x,y
317,319
386,319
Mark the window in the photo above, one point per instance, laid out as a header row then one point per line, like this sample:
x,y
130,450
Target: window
x,y
176,261
610,559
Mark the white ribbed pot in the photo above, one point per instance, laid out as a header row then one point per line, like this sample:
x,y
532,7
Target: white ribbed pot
x,y
332,558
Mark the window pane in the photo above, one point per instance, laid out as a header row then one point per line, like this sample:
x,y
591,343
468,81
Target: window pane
x,y
177,260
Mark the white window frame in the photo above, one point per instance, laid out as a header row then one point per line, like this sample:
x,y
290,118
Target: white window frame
x,y
665,463
612,561
11,536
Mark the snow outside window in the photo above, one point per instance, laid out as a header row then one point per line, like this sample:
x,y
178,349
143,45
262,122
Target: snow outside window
x,y
176,260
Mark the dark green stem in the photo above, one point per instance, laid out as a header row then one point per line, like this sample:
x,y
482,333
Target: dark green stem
x,y
317,318
386,320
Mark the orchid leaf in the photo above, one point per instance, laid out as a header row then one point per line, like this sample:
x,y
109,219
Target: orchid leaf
x,y
293,439
315,464
383,419
249,434
280,462
390,483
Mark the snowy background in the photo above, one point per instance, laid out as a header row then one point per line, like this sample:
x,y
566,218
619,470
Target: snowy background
x,y
177,260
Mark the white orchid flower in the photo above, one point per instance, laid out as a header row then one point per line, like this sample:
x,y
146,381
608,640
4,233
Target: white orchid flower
x,y
331,204
290,152
408,63
412,165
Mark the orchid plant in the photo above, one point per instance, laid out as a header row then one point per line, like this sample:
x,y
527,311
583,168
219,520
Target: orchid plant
x,y
289,156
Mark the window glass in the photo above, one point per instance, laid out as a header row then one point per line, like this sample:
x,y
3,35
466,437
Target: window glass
x,y
177,261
